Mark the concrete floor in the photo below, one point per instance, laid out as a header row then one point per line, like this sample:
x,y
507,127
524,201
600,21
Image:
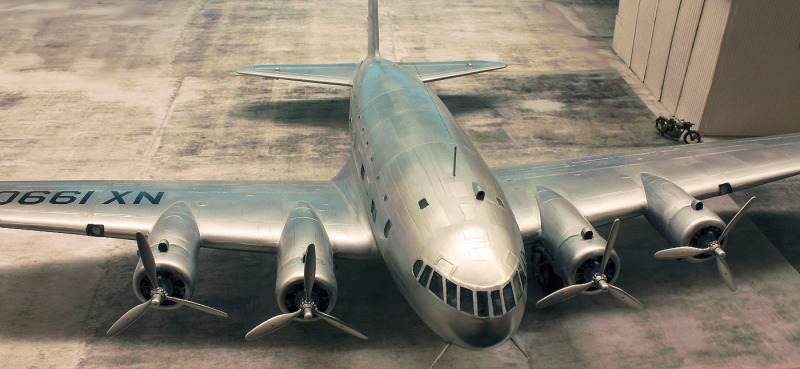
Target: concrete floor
x,y
145,90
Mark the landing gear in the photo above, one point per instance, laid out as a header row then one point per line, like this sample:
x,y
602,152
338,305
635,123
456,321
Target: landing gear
x,y
542,271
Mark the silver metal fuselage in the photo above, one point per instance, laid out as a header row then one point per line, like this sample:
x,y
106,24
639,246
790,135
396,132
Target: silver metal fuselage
x,y
430,197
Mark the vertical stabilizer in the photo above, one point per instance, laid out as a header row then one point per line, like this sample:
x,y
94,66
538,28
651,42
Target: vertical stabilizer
x,y
372,24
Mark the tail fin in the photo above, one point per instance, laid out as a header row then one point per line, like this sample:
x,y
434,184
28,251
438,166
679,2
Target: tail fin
x,y
372,24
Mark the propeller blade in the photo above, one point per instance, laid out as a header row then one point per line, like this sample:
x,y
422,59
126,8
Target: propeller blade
x,y
726,274
612,238
339,324
310,271
563,294
680,252
625,297
272,325
194,305
733,221
148,261
131,316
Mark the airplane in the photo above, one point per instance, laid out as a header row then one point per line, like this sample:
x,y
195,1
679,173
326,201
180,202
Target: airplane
x,y
416,193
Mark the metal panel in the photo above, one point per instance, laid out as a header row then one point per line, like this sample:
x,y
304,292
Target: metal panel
x,y
703,61
624,29
682,43
644,33
663,31
756,88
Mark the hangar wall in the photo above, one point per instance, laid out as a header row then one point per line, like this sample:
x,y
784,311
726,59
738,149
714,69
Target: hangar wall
x,y
731,66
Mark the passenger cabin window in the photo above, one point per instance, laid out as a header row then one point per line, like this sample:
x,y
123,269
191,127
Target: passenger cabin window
x,y
508,296
466,301
436,285
423,203
451,294
417,268
387,228
426,275
374,212
362,172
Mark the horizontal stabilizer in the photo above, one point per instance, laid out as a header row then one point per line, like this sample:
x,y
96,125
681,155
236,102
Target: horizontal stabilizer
x,y
434,71
331,74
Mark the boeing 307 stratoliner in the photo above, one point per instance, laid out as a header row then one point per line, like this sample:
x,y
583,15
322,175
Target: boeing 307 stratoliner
x,y
416,193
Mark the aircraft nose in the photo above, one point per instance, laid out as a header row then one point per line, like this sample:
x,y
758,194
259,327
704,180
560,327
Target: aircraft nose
x,y
490,332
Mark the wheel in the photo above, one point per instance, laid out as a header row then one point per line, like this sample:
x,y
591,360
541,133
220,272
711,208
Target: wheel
x,y
691,137
661,124
542,271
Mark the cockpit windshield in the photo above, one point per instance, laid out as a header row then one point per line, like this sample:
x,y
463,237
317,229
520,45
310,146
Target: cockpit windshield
x,y
483,303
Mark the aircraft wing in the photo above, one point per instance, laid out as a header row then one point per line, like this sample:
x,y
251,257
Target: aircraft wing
x,y
610,186
245,216
435,71
331,74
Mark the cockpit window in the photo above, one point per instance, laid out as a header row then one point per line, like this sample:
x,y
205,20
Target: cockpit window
x,y
417,268
517,287
426,275
522,277
497,303
483,303
451,291
466,301
436,285
508,297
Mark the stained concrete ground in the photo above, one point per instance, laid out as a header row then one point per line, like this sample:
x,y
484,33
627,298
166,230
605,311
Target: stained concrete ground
x,y
145,90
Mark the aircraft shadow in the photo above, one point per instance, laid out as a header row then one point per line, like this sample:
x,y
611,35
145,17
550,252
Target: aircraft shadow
x,y
334,112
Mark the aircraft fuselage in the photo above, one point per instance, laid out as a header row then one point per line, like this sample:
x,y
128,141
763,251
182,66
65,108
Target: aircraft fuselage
x,y
439,217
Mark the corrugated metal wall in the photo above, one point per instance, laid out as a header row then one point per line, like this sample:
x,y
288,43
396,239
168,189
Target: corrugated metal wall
x,y
663,31
703,61
645,20
723,64
756,88
624,29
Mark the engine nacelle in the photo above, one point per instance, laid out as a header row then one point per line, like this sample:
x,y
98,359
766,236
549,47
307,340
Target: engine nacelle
x,y
175,242
303,227
572,242
679,217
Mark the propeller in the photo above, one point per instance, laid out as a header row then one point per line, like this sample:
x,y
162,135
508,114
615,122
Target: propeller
x,y
308,309
157,296
715,247
599,281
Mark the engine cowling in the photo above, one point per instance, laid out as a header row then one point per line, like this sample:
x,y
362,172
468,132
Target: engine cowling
x,y
572,242
303,227
175,254
680,218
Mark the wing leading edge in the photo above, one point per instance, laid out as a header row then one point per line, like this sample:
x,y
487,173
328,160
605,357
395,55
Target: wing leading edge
x,y
344,74
331,74
610,186
246,216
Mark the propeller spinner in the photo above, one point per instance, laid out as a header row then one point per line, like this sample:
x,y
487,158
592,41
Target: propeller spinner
x,y
715,247
157,296
308,309
599,281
